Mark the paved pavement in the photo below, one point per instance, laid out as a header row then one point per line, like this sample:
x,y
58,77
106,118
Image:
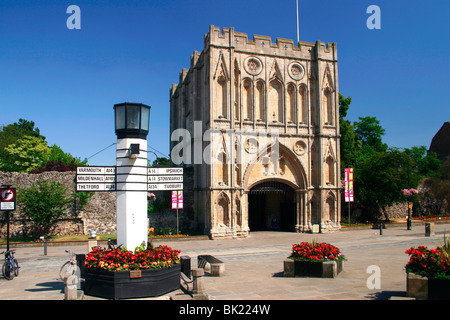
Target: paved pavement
x,y
254,266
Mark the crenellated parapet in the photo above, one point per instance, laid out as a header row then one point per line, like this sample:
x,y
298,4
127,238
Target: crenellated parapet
x,y
228,38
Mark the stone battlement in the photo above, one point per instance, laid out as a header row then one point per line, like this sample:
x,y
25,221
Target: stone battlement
x,y
264,45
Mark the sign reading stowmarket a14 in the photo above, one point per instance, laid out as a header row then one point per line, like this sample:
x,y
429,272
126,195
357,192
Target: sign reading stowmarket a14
x,y
96,178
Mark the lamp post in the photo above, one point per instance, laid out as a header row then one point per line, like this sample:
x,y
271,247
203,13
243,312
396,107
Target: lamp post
x,y
408,219
132,126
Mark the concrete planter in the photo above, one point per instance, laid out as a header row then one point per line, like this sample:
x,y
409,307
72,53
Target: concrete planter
x,y
427,288
131,284
322,269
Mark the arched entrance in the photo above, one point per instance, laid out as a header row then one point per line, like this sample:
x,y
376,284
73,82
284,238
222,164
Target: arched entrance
x,y
272,206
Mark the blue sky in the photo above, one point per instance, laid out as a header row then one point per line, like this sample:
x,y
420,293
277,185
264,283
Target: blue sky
x,y
67,81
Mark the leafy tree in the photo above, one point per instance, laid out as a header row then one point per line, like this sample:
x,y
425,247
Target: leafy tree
x,y
24,155
379,172
44,202
60,161
9,134
348,138
161,162
370,133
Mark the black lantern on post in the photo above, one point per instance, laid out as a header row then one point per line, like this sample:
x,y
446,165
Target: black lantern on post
x,y
132,120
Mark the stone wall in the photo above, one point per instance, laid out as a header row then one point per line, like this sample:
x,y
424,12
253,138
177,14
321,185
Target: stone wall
x,y
99,213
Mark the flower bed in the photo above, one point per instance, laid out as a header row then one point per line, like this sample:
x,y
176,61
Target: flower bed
x,y
120,274
314,260
428,273
315,251
120,259
434,263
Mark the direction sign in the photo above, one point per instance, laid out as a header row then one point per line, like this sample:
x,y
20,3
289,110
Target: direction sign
x,y
165,171
96,178
104,178
164,186
160,179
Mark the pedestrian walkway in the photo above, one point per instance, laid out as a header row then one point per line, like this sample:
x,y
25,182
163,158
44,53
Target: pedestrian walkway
x,y
254,266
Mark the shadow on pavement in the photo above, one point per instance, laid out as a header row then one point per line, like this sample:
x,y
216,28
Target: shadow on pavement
x,y
48,286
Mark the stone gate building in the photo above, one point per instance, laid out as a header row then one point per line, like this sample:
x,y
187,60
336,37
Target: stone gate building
x,y
261,141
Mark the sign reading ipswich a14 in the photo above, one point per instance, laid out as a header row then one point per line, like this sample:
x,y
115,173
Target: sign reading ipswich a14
x,y
96,178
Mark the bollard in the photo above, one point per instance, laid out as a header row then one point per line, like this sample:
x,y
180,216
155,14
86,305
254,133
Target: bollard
x,y
197,275
70,287
429,229
185,262
45,247
381,229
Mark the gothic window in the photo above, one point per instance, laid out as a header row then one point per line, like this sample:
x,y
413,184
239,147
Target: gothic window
x,y
302,110
290,103
222,169
259,101
247,100
275,101
328,106
329,170
222,211
330,209
221,96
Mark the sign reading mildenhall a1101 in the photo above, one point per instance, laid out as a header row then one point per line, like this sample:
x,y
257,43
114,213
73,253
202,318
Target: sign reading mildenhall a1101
x,y
96,178
165,179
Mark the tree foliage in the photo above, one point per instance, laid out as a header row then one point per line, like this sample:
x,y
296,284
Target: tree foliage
x,y
24,149
24,155
44,202
380,172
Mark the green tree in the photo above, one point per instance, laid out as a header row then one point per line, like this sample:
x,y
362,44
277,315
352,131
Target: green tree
x,y
348,138
44,202
161,162
9,134
370,133
24,155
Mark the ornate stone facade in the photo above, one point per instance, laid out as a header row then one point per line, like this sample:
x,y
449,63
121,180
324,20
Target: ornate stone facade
x,y
262,149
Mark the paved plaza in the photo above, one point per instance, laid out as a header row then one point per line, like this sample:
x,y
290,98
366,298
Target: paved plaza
x,y
254,266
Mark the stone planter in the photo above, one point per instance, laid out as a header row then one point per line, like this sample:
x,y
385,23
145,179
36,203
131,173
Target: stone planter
x,y
427,288
131,284
322,269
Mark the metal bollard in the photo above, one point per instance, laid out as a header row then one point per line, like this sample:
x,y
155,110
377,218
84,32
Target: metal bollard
x,y
185,262
381,229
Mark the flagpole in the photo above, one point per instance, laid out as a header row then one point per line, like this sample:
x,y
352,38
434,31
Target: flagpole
x,y
298,28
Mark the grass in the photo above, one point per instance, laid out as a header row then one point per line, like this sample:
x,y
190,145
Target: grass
x,y
83,238
58,238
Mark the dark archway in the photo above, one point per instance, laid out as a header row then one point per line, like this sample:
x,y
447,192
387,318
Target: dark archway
x,y
272,206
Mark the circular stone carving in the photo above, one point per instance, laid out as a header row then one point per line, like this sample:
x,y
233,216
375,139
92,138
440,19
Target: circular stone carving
x,y
251,145
296,71
253,65
299,147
